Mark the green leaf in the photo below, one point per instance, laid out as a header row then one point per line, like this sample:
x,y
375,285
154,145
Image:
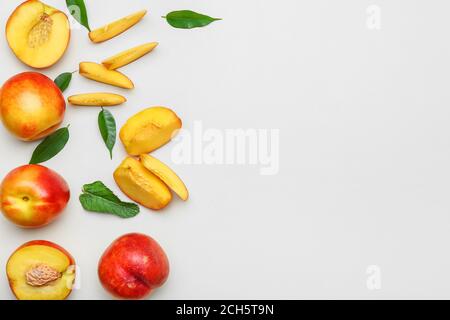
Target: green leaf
x,y
107,126
96,197
77,9
187,19
63,81
51,146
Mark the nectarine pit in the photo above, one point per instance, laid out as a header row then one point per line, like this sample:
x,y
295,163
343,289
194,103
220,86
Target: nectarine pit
x,y
41,275
40,33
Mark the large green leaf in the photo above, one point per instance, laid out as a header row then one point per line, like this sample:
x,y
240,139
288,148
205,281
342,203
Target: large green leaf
x,y
51,146
96,197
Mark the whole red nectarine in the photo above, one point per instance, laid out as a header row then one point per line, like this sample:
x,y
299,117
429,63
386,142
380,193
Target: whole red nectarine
x,y
31,106
133,266
32,196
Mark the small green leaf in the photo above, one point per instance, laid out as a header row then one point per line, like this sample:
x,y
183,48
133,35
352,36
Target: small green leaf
x,y
107,126
77,9
51,146
96,197
63,81
187,19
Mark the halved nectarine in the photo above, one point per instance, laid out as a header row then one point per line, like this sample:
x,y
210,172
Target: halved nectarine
x,y
38,34
41,270
149,130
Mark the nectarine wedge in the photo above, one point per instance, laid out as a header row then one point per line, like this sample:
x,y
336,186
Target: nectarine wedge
x,y
115,28
149,129
167,175
100,73
38,34
97,99
142,186
124,58
41,270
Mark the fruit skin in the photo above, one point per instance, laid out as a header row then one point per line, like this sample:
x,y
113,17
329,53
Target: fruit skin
x,y
100,73
33,196
149,130
142,186
115,28
31,106
40,252
167,175
22,33
133,266
124,58
97,99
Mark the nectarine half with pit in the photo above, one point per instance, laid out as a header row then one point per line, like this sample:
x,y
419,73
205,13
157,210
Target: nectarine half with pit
x,y
31,106
38,34
41,270
133,266
33,196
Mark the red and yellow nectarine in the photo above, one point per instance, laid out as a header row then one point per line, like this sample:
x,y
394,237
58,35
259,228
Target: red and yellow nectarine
x,y
32,196
31,106
133,266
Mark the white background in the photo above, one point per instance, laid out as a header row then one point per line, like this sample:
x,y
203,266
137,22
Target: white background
x,y
364,156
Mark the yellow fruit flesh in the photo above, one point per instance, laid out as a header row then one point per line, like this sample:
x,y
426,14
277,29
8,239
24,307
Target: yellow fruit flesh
x,y
115,28
97,99
100,73
38,34
141,185
149,130
128,56
167,175
29,257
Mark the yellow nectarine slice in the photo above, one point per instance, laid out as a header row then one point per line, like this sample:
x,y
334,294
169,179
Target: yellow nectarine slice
x,y
128,56
149,129
97,99
115,28
167,175
100,73
38,34
41,271
142,186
